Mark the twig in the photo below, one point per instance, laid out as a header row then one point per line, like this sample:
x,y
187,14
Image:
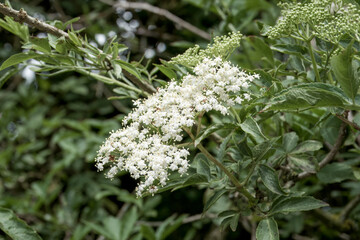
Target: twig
x,y
332,221
158,35
345,120
22,17
348,208
161,12
232,178
142,85
330,156
189,219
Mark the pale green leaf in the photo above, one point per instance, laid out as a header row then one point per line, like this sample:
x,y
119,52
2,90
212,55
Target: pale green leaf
x,y
290,141
211,129
335,172
234,222
296,204
346,72
213,199
251,127
172,227
270,179
40,44
128,222
267,229
18,58
14,227
7,75
303,163
147,232
307,146
166,71
308,96
202,165
128,67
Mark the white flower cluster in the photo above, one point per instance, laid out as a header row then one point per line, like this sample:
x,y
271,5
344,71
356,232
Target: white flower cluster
x,y
145,146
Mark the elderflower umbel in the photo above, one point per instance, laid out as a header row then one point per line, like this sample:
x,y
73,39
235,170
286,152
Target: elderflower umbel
x,y
145,146
222,46
329,20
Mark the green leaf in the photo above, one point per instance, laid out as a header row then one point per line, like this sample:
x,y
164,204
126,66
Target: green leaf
x,y
308,96
346,71
227,213
290,141
169,226
18,58
7,75
303,163
234,222
113,226
40,44
261,46
106,231
128,223
291,49
211,129
223,147
267,230
129,68
244,149
307,146
173,226
264,150
193,179
202,165
14,227
270,179
335,172
296,204
117,69
212,200
74,38
71,21
61,45
166,71
251,127
356,172
147,232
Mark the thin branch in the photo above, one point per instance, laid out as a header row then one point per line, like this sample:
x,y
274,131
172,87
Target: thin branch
x,y
22,17
143,85
161,12
232,178
345,120
349,207
189,219
332,221
330,156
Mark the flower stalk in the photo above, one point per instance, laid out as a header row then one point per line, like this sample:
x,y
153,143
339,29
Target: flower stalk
x,y
232,178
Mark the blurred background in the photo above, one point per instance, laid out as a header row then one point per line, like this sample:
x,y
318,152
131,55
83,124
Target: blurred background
x,y
51,128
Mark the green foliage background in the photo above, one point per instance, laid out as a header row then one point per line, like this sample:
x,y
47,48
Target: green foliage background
x,y
51,128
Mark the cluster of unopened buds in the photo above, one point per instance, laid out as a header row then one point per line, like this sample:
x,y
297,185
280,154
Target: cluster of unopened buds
x,y
146,148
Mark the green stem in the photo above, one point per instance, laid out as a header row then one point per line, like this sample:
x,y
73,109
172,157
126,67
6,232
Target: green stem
x,y
311,52
236,115
250,173
199,123
232,178
108,80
